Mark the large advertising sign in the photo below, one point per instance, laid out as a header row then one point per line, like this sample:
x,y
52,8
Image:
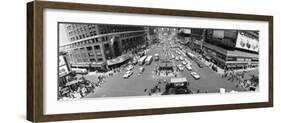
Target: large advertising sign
x,y
247,43
218,34
63,68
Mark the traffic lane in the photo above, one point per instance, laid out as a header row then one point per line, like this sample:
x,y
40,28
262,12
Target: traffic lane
x,y
209,81
117,86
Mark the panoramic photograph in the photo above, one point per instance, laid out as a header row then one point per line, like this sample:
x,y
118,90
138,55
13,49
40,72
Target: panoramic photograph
x,y
113,60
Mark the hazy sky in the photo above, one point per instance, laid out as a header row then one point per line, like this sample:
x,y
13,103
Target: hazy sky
x,y
62,35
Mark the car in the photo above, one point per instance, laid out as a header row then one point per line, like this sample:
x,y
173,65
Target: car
x,y
128,74
188,67
184,63
141,69
177,58
181,58
135,62
156,57
200,65
130,67
195,75
214,68
186,60
180,67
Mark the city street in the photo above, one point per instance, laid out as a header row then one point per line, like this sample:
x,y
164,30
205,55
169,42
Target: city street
x,y
116,86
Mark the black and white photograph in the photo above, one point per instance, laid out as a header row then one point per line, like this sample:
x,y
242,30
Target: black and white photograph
x,y
97,60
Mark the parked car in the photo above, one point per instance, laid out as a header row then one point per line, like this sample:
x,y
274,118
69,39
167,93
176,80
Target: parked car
x,y
128,74
188,67
195,75
184,63
215,68
135,61
177,58
200,65
180,67
130,67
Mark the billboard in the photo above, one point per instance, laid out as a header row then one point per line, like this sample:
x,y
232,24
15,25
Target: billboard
x,y
247,43
185,31
63,66
218,34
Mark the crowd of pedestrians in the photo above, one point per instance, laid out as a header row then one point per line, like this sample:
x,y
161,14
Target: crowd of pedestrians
x,y
249,83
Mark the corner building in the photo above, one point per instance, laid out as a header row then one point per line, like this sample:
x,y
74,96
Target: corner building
x,y
91,45
232,49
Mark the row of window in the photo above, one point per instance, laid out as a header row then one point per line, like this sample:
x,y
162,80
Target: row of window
x,y
130,34
80,31
95,40
82,35
85,55
117,28
91,41
241,59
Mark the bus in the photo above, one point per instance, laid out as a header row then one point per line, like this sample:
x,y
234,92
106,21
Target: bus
x,y
148,60
80,70
141,60
190,55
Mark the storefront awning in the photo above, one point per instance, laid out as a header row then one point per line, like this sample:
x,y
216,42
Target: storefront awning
x,y
97,64
86,64
72,82
117,60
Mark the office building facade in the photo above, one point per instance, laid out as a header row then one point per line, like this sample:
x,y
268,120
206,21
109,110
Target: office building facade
x,y
91,45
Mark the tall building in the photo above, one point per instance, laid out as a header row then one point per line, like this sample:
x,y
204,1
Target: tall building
x,y
232,48
92,45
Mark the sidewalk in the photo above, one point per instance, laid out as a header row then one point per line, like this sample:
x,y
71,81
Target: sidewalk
x,y
220,70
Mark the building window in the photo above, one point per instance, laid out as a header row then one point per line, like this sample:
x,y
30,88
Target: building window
x,y
91,33
231,58
100,59
255,59
97,47
89,48
92,60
